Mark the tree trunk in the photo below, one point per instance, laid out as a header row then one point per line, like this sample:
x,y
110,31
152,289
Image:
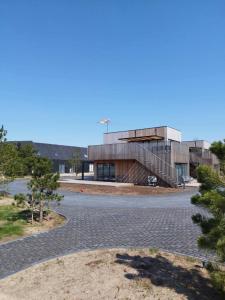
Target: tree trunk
x,y
41,211
32,215
32,209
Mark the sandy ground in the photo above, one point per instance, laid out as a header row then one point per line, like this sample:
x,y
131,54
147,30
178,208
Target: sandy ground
x,y
111,274
54,220
6,201
111,190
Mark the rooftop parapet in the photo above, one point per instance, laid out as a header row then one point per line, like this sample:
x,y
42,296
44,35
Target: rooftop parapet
x,y
164,133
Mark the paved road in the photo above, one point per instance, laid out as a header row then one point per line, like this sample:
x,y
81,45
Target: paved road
x,y
108,221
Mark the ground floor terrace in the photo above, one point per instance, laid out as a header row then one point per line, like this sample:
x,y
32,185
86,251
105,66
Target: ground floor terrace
x,y
106,221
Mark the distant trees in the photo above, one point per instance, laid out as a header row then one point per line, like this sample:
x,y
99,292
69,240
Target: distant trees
x,y
212,197
218,148
42,188
19,160
76,161
10,164
3,134
27,155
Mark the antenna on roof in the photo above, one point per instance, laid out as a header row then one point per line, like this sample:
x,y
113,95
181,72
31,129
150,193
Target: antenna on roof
x,y
106,122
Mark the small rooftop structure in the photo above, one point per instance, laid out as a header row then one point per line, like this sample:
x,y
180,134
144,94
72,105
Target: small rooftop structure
x,y
164,133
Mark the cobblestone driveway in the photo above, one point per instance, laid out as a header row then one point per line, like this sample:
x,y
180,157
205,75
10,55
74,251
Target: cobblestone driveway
x,y
108,221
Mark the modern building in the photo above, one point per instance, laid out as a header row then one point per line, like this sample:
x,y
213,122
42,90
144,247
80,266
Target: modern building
x,y
134,155
60,155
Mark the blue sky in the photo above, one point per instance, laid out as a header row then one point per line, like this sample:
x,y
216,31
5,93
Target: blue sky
x,y
66,64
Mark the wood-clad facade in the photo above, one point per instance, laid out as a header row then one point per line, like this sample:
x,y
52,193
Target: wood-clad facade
x,y
146,134
133,155
121,167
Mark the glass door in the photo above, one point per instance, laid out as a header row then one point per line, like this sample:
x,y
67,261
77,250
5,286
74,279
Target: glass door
x,y
61,168
181,170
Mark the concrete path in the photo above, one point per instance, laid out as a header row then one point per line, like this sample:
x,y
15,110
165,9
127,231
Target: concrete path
x,y
108,222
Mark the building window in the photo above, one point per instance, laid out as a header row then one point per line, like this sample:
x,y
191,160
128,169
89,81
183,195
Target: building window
x,y
106,171
62,168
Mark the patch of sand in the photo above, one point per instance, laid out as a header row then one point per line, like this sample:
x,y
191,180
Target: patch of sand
x,y
112,190
53,220
6,201
111,274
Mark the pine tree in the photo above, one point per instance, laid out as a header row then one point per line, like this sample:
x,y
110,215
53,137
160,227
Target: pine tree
x,y
10,163
42,188
212,197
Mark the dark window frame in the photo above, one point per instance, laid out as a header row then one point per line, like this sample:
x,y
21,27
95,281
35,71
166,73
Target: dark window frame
x,y
106,171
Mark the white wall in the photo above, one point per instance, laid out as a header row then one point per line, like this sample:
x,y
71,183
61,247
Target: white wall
x,y
173,134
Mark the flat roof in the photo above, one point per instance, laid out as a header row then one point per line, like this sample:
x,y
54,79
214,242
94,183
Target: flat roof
x,y
142,129
49,144
196,141
53,151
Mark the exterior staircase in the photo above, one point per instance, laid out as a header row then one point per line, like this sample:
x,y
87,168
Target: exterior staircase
x,y
150,159
137,174
152,165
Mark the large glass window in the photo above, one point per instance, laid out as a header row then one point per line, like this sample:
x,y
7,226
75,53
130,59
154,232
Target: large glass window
x,y
106,171
112,170
100,170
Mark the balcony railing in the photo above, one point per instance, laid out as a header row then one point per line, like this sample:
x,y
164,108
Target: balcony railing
x,y
204,157
128,150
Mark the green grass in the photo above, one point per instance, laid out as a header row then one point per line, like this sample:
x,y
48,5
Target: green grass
x,y
10,229
191,259
218,280
153,251
7,212
12,220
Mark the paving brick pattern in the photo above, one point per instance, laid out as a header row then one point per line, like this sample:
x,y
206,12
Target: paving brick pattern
x,y
107,222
